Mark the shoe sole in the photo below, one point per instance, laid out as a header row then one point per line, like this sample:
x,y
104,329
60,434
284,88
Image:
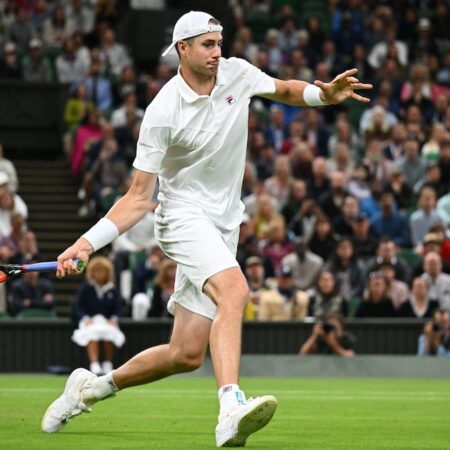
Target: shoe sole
x,y
253,421
70,381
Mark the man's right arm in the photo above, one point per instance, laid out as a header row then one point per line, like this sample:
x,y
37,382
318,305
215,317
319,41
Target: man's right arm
x,y
125,213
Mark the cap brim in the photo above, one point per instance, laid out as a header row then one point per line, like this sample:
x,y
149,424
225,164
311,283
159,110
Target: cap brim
x,y
169,49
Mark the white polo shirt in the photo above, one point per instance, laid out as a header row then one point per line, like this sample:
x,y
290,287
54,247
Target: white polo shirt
x,y
197,143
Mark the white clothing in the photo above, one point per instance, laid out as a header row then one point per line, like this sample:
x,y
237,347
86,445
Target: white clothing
x,y
98,330
197,143
5,215
200,249
141,235
119,116
439,289
8,167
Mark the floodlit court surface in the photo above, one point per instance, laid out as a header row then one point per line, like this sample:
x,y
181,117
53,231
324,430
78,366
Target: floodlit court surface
x,y
180,413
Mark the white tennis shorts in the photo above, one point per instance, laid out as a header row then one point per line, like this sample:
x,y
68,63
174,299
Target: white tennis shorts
x,y
200,250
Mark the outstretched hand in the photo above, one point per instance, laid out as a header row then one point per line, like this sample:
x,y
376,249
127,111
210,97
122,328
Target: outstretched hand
x,y
342,87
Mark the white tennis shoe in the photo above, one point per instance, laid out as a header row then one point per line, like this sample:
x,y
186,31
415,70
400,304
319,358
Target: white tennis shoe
x,y
234,428
69,404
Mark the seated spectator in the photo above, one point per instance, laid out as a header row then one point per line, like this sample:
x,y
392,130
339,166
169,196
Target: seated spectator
x,y
378,166
398,291
387,253
425,217
9,64
319,184
7,167
99,87
87,133
35,66
394,150
113,54
10,204
341,160
376,302
304,264
31,292
342,223
379,128
278,185
302,224
363,242
435,339
347,269
28,249
323,240
419,304
390,222
105,180
77,107
438,282
255,274
343,135
411,164
316,132
333,199
70,66
325,298
297,195
265,216
277,245
57,29
397,186
98,307
358,185
21,31
370,205
329,338
433,180
9,245
81,16
144,305
129,103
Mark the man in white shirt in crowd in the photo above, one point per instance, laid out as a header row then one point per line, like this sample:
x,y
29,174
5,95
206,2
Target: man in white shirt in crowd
x,y
193,137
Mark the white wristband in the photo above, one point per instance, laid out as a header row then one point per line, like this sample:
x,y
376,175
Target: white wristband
x,y
101,234
311,95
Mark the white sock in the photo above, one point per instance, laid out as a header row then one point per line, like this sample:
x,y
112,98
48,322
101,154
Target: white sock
x,y
98,389
230,396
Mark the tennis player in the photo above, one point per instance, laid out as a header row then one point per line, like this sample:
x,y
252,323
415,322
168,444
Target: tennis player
x,y
193,137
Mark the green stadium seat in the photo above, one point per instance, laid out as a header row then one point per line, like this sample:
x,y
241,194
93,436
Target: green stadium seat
x,y
410,257
352,306
33,313
4,315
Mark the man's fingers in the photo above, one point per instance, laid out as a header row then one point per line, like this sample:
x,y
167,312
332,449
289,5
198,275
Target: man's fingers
x,y
352,80
319,83
361,86
360,98
346,74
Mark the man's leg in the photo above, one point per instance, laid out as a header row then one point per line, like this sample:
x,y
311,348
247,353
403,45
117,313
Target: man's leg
x,y
185,352
238,418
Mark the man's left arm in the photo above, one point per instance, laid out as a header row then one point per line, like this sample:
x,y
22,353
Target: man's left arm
x,y
301,93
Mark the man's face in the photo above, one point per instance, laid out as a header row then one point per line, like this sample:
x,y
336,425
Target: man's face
x,y
202,54
433,265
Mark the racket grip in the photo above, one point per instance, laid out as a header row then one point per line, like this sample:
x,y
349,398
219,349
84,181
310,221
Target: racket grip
x,y
51,265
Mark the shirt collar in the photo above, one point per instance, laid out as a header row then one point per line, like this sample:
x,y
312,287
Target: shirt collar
x,y
188,94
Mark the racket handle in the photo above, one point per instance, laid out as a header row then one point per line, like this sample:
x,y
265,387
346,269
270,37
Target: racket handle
x,y
50,266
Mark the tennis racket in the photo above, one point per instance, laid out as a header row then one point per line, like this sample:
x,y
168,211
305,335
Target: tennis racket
x,y
8,271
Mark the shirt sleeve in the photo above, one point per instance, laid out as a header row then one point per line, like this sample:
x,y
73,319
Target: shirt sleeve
x,y
153,141
258,81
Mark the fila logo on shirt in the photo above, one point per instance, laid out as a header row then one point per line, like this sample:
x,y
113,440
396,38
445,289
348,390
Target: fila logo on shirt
x,y
230,99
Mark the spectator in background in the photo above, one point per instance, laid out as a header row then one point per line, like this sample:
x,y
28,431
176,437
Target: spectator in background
x,y
77,107
277,245
319,184
341,160
255,275
272,48
144,305
398,290
129,104
425,217
347,269
9,65
279,184
98,307
298,193
127,83
81,16
87,133
7,167
411,165
419,304
323,240
438,282
35,66
304,265
394,148
435,339
266,214
376,302
380,51
324,298
57,29
21,31
9,245
363,242
389,222
32,292
378,166
10,204
113,55
443,208
342,223
332,201
387,254
69,66
28,249
329,338
99,87
402,192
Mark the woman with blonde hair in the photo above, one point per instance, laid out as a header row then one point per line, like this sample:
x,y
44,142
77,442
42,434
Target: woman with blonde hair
x,y
153,303
98,306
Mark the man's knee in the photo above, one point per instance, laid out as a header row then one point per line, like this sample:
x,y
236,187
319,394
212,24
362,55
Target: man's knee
x,y
188,359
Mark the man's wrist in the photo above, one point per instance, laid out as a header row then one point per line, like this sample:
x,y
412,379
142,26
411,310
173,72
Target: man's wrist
x,y
313,96
101,234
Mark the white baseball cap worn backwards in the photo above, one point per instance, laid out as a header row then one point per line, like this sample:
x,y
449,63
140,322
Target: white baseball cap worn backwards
x,y
191,24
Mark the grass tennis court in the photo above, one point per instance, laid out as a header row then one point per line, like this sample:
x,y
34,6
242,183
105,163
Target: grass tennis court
x,y
180,413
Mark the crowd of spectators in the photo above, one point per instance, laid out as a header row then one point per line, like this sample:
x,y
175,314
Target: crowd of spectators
x,y
346,208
